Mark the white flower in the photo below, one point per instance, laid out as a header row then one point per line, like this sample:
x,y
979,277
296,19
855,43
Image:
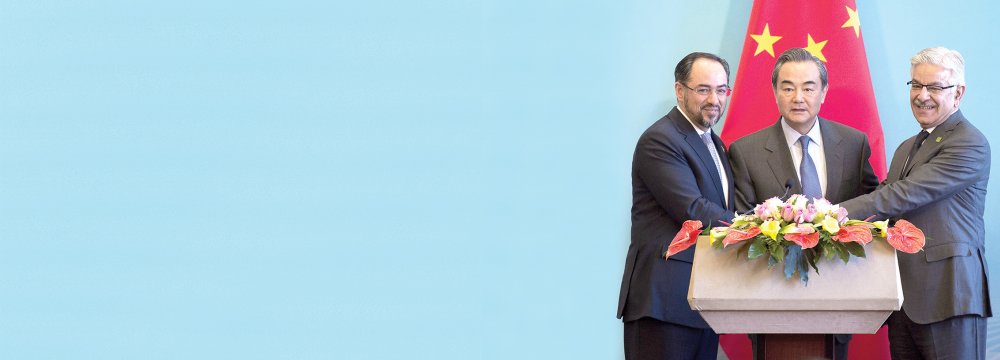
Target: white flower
x,y
823,207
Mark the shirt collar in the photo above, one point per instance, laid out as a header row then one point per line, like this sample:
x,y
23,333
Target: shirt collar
x,y
696,127
792,136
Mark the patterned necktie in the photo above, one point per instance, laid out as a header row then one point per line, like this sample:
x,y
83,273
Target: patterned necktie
x,y
707,139
807,172
913,150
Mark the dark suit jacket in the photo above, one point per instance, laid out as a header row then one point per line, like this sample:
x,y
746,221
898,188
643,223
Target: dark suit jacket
x,y
674,179
942,192
762,164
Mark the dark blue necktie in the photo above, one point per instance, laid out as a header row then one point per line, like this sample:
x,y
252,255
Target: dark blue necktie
x,y
807,172
913,151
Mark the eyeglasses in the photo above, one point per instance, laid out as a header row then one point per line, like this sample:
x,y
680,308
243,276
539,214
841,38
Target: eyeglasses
x,y
705,90
933,89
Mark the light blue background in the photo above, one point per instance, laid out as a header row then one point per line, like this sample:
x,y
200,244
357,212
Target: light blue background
x,y
359,180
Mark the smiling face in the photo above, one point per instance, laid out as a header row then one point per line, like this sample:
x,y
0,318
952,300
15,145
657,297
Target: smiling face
x,y
799,93
932,109
704,110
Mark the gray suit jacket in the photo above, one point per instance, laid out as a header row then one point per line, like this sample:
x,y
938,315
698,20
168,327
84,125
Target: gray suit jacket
x,y
943,192
674,179
762,165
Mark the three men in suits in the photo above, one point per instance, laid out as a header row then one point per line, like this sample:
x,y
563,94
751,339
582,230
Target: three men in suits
x,y
680,172
802,153
937,181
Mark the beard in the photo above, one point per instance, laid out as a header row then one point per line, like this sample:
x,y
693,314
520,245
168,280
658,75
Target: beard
x,y
710,120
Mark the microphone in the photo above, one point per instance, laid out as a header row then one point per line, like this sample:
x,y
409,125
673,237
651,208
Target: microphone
x,y
788,187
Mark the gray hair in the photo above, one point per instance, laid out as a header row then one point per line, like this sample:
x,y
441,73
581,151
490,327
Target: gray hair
x,y
797,55
943,57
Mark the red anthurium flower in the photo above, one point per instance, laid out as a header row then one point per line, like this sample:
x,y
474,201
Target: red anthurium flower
x,y
905,237
855,233
734,236
806,241
684,238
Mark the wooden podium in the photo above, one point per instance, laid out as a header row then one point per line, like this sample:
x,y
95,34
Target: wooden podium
x,y
736,295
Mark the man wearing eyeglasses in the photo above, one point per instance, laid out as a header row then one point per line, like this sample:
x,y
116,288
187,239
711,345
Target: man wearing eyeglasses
x,y
937,181
680,171
802,153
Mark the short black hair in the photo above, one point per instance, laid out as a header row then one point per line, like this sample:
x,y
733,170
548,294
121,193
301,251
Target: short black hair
x,y
682,72
797,55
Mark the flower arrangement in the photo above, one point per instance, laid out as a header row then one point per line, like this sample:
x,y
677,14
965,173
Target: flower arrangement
x,y
798,233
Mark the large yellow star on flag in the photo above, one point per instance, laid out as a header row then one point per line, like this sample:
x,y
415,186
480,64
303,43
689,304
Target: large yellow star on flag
x,y
765,42
853,21
816,48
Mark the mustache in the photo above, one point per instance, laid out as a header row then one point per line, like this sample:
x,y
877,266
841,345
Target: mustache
x,y
924,103
711,107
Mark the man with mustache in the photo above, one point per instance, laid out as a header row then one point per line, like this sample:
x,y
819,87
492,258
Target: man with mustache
x,y
937,181
802,153
680,171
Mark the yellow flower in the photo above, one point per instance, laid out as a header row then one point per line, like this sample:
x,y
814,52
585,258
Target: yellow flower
x,y
770,228
718,233
881,226
830,225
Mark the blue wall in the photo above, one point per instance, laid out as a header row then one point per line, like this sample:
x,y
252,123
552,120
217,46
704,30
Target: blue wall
x,y
358,180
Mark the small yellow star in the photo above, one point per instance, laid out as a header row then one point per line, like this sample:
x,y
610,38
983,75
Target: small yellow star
x,y
765,42
816,48
853,21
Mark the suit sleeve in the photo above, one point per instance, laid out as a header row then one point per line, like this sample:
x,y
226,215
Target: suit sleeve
x,y
667,172
746,197
956,166
869,182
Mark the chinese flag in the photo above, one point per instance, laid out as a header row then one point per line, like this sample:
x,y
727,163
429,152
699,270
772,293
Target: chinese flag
x,y
831,31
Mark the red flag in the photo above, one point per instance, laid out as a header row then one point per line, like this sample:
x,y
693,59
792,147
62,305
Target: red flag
x,y
831,31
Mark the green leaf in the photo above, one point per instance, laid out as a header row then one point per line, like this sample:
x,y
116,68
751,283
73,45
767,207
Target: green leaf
x,y
777,252
842,252
811,256
828,250
855,249
757,248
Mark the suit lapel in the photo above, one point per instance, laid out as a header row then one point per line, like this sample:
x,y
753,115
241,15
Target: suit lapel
x,y
691,137
933,143
780,159
834,160
896,166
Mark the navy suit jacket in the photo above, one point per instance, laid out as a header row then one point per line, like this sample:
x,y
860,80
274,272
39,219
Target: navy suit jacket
x,y
674,179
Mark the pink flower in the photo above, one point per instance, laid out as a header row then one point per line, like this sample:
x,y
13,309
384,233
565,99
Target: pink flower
x,y
810,214
842,215
905,237
854,233
686,237
735,236
788,213
806,241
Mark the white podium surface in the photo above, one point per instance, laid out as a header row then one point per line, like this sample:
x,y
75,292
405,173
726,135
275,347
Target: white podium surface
x,y
736,295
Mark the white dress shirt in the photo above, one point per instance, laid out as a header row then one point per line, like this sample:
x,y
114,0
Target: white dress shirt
x,y
815,151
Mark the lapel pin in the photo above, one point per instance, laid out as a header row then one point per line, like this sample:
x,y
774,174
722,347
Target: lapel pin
x,y
938,139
